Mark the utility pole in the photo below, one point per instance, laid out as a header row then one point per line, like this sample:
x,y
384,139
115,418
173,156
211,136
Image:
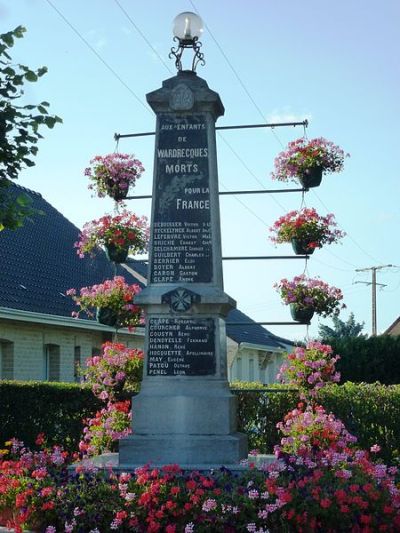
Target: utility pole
x,y
373,284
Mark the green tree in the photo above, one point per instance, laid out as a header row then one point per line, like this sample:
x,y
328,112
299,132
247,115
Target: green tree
x,y
19,130
341,329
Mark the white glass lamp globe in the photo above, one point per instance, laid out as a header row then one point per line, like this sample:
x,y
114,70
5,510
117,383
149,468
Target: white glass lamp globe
x,y
187,26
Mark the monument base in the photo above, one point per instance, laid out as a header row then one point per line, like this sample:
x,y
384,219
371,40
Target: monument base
x,y
182,449
110,461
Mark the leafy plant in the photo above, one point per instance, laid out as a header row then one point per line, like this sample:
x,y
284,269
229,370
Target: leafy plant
x,y
114,294
306,293
113,174
19,129
310,369
341,329
308,226
123,230
303,154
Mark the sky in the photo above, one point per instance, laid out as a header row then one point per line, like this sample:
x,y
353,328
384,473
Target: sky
x,y
333,63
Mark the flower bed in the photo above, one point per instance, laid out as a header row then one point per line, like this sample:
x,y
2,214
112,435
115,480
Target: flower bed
x,y
332,492
320,481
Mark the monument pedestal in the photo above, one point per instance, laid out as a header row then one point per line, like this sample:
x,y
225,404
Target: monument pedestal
x,y
188,420
185,412
222,450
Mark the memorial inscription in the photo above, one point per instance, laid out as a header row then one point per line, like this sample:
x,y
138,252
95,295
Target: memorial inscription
x,y
181,232
181,347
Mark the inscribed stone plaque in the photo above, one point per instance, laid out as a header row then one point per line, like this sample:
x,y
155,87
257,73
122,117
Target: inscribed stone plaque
x,y
181,234
181,347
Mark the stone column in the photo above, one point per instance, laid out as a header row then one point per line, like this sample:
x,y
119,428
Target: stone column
x,y
185,412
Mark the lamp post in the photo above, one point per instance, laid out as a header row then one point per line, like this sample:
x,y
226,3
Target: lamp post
x,y
187,29
185,412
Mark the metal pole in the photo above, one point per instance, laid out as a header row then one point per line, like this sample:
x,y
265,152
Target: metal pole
x,y
373,301
373,284
304,123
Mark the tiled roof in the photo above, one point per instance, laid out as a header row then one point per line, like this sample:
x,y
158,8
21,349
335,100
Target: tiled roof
x,y
253,333
38,264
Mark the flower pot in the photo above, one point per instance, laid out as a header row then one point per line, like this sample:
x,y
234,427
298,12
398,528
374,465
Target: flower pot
x,y
301,315
115,253
300,247
107,316
311,177
115,191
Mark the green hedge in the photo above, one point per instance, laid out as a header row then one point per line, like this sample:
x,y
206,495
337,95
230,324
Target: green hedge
x,y
56,409
260,409
369,411
368,360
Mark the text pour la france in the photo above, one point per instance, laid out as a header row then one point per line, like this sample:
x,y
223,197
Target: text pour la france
x,y
192,204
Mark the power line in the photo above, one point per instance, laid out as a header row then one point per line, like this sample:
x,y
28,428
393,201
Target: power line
x,y
236,74
239,158
64,18
347,234
259,110
143,36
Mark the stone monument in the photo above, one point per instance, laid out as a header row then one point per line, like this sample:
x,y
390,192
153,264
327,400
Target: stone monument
x,y
185,412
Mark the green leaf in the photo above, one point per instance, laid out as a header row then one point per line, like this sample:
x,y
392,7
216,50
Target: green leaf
x,y
24,200
41,71
50,121
8,38
31,76
19,32
9,71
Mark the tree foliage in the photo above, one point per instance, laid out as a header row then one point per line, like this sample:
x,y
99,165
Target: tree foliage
x,y
368,360
19,129
341,329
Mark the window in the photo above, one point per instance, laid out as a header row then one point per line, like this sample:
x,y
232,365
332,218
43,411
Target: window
x,y
52,362
239,368
96,351
77,362
6,359
251,369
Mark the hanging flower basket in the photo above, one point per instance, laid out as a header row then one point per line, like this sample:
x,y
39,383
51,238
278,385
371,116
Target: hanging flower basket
x,y
107,316
305,161
113,174
301,315
302,247
310,294
114,300
120,235
311,177
306,230
115,253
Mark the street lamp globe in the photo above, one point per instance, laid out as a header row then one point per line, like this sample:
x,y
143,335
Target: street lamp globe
x,y
187,27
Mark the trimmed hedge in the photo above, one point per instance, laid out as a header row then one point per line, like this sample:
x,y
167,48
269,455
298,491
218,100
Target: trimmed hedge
x,y
260,409
56,409
369,411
